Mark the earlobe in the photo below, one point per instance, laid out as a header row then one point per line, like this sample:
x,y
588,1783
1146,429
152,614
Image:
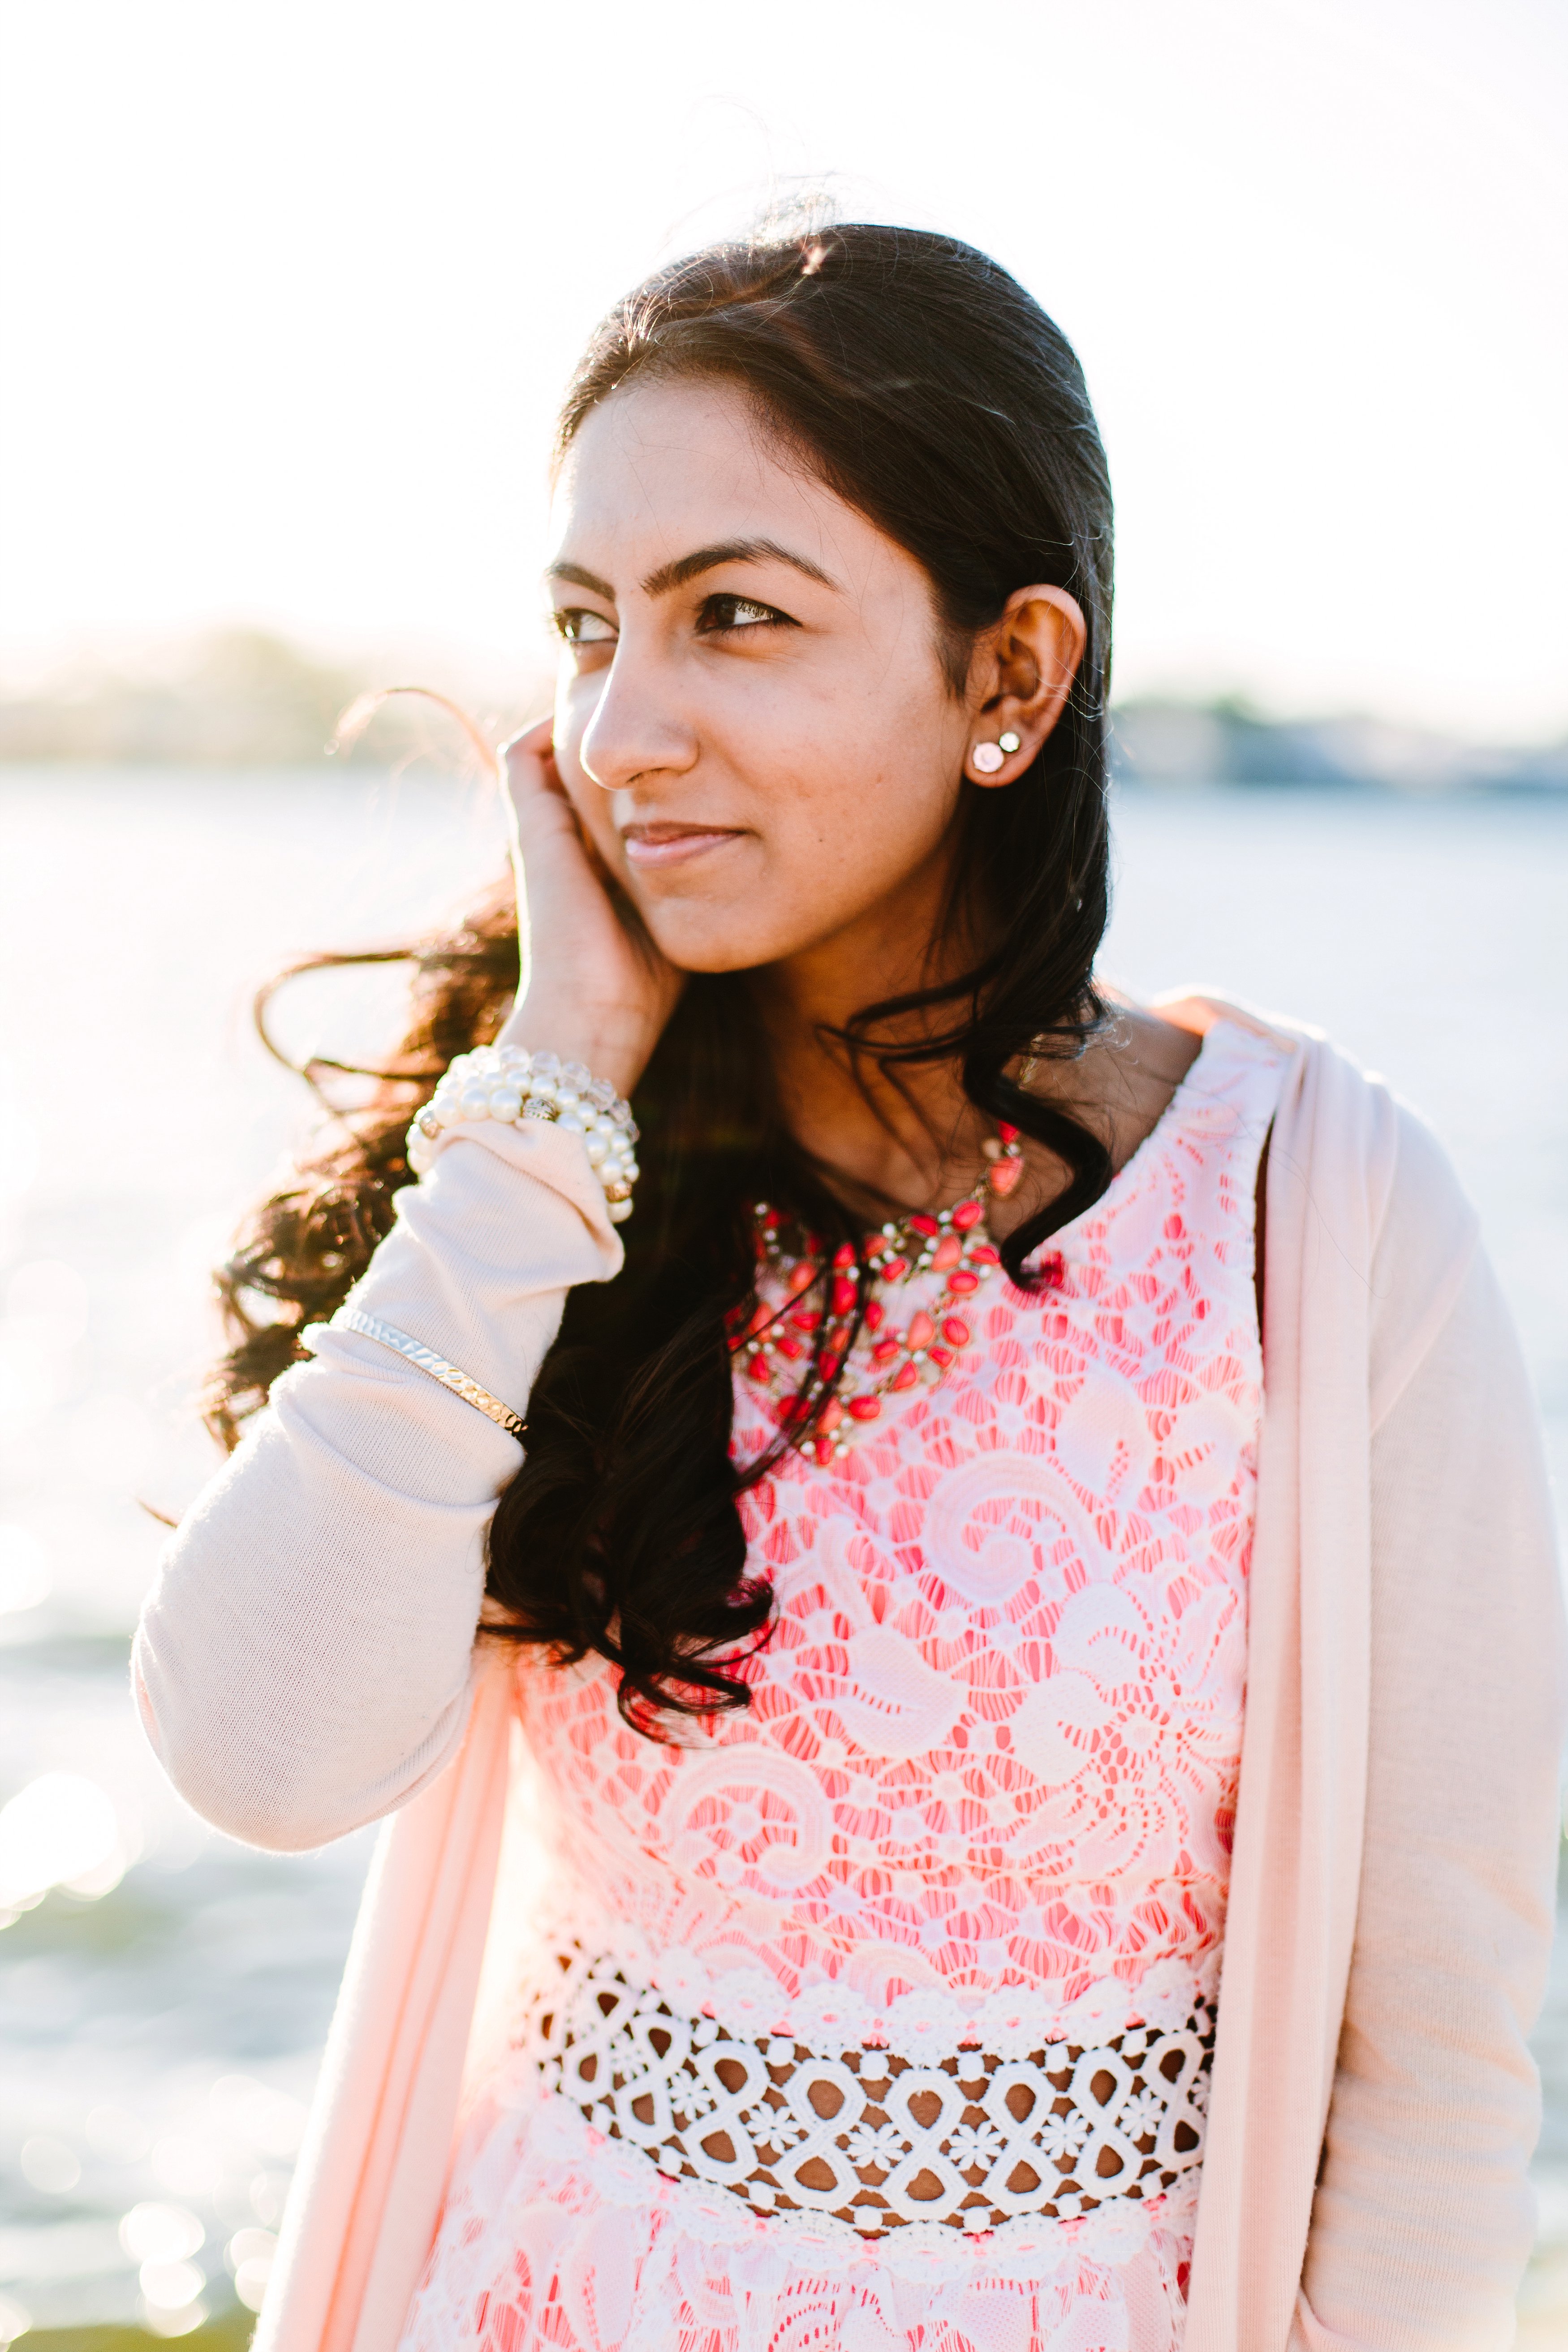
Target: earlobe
x,y
1035,651
991,758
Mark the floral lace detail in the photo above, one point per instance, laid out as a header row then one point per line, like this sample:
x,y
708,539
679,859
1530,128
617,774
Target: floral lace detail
x,y
988,1773
877,2137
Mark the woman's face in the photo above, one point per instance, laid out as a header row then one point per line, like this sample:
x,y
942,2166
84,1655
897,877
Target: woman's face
x,y
752,718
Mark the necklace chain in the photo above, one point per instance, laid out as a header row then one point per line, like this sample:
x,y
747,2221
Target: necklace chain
x,y
774,1343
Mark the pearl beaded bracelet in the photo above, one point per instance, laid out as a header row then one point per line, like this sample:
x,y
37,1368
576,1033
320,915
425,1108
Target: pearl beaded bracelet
x,y
506,1084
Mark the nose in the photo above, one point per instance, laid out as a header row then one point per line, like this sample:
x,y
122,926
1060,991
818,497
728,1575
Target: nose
x,y
635,731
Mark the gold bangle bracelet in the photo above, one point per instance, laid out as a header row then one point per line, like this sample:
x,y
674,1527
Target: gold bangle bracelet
x,y
349,1318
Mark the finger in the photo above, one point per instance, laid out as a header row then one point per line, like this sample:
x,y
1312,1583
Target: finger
x,y
528,763
531,790
534,744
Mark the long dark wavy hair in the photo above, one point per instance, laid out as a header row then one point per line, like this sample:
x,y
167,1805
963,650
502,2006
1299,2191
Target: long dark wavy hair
x,y
920,382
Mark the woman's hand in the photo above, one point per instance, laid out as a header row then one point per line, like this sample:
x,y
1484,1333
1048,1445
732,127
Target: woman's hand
x,y
593,987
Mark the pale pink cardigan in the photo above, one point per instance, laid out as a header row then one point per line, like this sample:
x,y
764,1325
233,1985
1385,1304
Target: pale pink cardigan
x,y
1391,1902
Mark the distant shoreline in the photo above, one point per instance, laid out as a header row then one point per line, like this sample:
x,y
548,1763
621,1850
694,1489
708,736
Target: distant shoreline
x,y
246,701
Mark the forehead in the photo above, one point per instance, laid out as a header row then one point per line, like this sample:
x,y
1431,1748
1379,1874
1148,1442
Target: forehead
x,y
663,467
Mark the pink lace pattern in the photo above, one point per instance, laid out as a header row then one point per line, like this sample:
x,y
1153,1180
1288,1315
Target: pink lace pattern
x,y
982,1799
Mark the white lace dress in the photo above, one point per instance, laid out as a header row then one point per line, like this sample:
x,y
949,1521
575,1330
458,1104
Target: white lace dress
x,y
877,2016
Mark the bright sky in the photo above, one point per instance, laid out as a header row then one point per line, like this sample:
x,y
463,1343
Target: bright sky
x,y
290,290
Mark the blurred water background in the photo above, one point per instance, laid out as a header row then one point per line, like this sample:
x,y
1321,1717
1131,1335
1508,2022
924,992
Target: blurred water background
x,y
162,2006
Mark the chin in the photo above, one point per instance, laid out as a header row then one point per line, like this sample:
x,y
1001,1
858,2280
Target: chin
x,y
713,956
695,936
729,945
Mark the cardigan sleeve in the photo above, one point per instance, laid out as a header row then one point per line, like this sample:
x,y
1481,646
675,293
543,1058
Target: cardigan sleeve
x,y
303,1664
1422,2219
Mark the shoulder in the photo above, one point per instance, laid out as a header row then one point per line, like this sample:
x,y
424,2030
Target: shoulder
x,y
1350,1133
1358,1179
1425,1250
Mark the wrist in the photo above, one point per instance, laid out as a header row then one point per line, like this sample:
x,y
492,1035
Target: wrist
x,y
609,1040
513,1084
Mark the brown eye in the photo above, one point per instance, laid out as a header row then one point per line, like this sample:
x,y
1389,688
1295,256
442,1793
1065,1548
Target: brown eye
x,y
581,627
723,613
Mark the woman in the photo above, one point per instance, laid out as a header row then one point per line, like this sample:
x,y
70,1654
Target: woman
x,y
898,1531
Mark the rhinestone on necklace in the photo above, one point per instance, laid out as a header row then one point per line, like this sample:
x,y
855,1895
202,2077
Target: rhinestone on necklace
x,y
775,1342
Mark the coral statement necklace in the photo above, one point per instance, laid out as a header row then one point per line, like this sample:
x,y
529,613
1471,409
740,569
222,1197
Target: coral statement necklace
x,y
775,1342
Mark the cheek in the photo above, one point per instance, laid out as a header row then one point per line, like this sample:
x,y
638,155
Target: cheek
x,y
834,849
592,807
574,709
874,816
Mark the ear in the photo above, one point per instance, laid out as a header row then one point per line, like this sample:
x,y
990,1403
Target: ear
x,y
1020,675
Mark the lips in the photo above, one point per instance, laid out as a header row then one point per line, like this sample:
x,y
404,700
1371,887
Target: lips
x,y
667,843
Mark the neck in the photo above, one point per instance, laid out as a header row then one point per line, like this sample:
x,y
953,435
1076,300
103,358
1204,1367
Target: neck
x,y
910,1139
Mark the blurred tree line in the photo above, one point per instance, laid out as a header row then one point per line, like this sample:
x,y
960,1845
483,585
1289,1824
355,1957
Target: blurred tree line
x,y
237,698
1166,741
240,698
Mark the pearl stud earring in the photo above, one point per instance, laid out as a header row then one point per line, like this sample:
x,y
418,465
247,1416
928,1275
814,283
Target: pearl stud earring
x,y
989,757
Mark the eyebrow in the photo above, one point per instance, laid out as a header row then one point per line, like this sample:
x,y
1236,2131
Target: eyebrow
x,y
689,567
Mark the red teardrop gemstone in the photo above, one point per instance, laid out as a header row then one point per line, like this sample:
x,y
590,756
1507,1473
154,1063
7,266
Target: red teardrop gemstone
x,y
921,1223
984,1254
843,1294
843,1255
905,1377
968,1214
823,1449
884,1351
895,1269
955,1331
939,1354
864,1408
830,1416
874,1316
